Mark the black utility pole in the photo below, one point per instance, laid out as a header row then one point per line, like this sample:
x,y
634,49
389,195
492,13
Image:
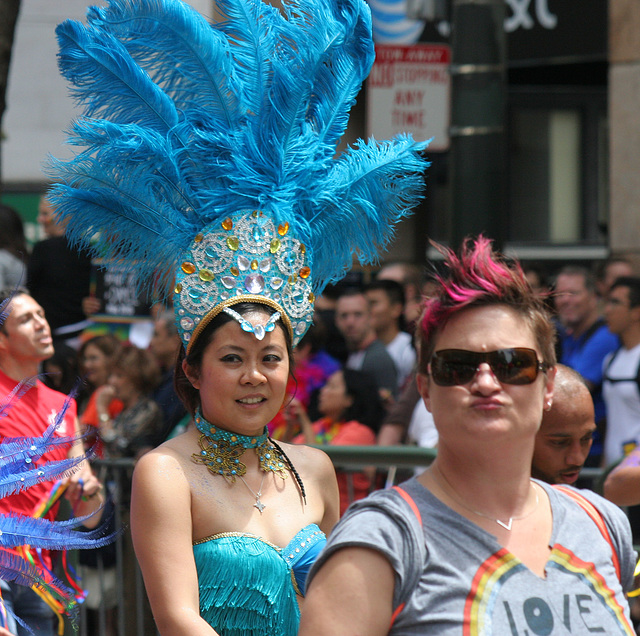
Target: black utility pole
x,y
478,140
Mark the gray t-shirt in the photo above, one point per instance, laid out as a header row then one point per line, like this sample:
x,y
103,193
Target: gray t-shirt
x,y
376,361
12,270
454,578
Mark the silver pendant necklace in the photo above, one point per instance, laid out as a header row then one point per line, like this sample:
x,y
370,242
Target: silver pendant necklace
x,y
505,524
259,505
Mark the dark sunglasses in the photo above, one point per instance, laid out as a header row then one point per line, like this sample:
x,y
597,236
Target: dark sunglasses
x,y
451,367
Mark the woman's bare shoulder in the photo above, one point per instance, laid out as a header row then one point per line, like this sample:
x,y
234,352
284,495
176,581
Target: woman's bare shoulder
x,y
168,461
308,459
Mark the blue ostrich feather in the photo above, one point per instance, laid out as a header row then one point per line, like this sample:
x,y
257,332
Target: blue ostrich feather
x,y
19,530
17,569
18,391
19,465
185,123
107,81
187,59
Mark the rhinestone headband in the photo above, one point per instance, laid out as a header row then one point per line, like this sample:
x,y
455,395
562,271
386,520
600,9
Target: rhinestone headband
x,y
259,331
244,258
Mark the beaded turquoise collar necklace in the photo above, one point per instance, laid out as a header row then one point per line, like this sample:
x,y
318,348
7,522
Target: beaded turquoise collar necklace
x,y
220,451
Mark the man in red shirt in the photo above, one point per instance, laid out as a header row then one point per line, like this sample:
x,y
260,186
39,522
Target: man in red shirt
x,y
25,342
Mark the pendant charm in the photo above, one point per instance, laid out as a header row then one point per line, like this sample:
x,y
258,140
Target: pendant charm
x,y
506,526
259,505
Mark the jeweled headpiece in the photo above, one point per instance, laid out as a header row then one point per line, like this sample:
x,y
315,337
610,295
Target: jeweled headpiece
x,y
208,161
245,257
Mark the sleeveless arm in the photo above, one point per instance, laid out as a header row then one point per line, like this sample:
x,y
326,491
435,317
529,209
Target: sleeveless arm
x,y
162,537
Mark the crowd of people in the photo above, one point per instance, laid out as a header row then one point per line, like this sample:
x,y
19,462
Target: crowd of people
x,y
357,380
128,405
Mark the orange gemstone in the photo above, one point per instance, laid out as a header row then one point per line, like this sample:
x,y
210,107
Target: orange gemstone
x,y
235,271
304,272
283,228
188,268
303,248
254,264
198,237
227,224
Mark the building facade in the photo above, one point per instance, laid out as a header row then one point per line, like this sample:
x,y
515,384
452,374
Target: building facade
x,y
568,185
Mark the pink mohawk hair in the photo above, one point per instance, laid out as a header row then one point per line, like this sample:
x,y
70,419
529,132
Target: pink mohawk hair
x,y
477,276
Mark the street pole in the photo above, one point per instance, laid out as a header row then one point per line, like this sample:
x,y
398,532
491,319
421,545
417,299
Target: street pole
x,y
478,139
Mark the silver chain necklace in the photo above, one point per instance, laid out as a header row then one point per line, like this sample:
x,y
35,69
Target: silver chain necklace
x,y
505,524
259,505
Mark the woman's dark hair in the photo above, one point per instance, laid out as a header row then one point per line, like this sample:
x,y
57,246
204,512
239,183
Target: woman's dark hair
x,y
108,344
139,366
316,336
366,407
12,232
66,359
189,395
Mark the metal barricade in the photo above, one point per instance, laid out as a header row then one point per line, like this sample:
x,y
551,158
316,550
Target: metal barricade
x,y
120,606
127,612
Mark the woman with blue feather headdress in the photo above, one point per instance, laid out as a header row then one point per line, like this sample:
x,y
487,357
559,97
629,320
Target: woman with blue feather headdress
x,y
206,161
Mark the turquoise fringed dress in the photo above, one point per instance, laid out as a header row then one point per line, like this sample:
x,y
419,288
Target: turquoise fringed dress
x,y
248,586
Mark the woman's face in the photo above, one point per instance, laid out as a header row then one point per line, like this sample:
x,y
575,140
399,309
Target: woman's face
x,y
485,408
242,380
334,400
124,388
96,365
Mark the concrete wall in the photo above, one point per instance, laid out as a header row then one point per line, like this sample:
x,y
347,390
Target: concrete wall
x,y
39,107
624,123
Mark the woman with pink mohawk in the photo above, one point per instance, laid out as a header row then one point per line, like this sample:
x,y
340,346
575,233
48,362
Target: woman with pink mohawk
x,y
473,545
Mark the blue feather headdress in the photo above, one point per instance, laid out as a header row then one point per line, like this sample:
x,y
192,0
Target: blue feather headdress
x,y
207,153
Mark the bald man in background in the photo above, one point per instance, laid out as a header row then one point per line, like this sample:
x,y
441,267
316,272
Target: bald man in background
x,y
564,439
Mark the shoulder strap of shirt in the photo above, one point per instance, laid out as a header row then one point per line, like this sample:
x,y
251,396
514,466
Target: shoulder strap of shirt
x,y
605,375
416,511
586,336
597,518
607,378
